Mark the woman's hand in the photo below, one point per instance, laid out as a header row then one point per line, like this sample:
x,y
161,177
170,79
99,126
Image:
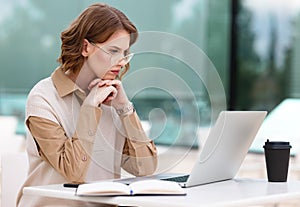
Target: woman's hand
x,y
100,92
120,100
107,92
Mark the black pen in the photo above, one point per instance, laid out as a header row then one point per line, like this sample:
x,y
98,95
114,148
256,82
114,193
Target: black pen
x,y
70,185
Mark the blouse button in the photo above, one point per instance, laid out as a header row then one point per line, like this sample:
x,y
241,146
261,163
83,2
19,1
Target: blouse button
x,y
84,158
91,133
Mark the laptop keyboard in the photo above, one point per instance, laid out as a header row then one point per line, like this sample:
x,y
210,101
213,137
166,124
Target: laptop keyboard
x,y
179,179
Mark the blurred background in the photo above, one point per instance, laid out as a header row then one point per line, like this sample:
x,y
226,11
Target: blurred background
x,y
254,45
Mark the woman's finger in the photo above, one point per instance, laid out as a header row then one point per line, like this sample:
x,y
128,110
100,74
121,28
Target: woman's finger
x,y
94,83
115,83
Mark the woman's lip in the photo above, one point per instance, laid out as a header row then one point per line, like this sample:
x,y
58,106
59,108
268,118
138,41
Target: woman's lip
x,y
115,72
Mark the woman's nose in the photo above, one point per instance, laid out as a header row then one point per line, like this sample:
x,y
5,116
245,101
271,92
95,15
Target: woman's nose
x,y
122,62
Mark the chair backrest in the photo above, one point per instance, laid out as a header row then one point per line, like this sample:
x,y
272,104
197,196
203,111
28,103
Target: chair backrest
x,y
10,142
14,171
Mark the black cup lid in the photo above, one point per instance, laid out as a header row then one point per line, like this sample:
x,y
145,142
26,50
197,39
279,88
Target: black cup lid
x,y
277,145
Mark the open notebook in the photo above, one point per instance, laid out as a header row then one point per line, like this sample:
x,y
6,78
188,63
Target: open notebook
x,y
144,187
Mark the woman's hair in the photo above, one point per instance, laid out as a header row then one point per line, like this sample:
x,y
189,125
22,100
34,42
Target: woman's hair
x,y
96,24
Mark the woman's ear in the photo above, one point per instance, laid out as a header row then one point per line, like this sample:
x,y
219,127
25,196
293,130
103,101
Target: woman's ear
x,y
85,48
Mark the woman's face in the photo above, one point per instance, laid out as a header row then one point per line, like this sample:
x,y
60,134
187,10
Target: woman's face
x,y
105,58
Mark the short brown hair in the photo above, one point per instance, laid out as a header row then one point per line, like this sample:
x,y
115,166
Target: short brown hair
x,y
96,24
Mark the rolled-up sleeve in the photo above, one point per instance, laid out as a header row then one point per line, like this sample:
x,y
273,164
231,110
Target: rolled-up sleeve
x,y
139,153
70,156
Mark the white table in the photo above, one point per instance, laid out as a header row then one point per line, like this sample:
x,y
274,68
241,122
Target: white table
x,y
236,192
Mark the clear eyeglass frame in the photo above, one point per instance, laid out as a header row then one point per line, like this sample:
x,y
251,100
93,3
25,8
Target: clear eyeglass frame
x,y
115,58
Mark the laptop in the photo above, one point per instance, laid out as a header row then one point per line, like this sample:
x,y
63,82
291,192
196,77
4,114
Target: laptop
x,y
224,150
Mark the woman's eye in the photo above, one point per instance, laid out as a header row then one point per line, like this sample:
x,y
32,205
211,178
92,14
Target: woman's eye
x,y
114,51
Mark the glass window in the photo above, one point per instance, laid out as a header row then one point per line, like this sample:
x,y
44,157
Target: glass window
x,y
179,75
267,53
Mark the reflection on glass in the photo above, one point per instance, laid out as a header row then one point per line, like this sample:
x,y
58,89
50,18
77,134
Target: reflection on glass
x,y
268,44
30,45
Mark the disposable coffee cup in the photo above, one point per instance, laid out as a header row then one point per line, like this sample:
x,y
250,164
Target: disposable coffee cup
x,y
277,156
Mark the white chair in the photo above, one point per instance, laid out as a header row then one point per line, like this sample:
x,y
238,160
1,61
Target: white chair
x,y
9,141
282,124
14,171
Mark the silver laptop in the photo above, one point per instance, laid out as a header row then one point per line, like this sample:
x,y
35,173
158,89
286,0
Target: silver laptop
x,y
224,150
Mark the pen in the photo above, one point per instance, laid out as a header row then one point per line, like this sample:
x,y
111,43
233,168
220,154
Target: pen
x,y
70,185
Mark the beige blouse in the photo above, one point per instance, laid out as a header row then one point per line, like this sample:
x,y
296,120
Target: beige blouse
x,y
70,142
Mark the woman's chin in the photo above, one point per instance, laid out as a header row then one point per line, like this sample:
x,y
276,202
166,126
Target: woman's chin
x,y
108,103
109,77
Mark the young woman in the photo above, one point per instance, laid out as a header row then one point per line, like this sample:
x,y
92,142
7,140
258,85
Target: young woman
x,y
81,125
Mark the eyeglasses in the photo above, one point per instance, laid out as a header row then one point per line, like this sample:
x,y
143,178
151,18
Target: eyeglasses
x,y
116,56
